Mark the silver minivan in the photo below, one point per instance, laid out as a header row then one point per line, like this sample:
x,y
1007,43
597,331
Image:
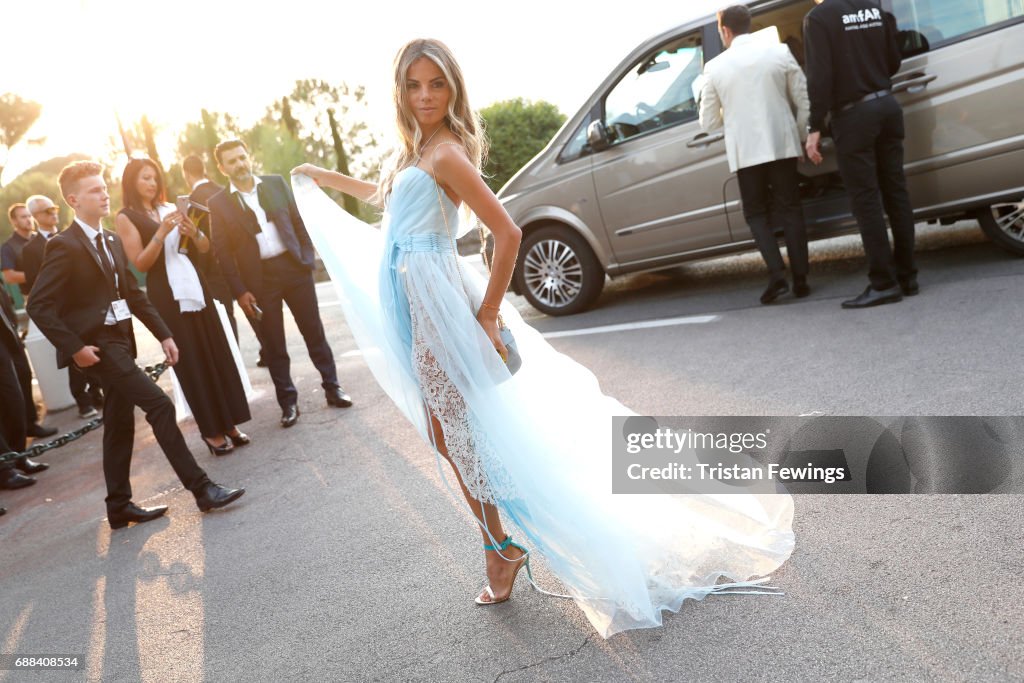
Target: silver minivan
x,y
630,183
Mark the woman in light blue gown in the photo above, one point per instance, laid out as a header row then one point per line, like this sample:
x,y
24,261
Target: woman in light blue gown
x,y
531,449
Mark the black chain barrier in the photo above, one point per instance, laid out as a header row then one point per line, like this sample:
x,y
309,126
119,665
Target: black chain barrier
x,y
153,371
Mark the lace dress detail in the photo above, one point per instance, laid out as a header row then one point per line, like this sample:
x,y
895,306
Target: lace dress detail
x,y
467,443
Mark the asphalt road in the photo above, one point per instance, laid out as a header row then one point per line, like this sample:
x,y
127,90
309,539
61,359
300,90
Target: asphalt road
x,y
348,560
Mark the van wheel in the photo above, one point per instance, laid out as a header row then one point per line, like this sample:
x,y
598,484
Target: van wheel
x,y
1004,225
558,272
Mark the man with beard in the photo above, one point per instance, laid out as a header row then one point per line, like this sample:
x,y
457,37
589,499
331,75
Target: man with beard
x,y
267,258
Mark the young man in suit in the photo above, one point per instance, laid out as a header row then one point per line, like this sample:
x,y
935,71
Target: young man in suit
x,y
267,258
758,91
46,215
83,301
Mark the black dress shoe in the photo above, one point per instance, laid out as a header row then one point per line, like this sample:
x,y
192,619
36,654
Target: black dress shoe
x,y
801,288
30,466
337,398
774,291
216,496
39,431
133,513
11,479
289,416
909,287
3,511
874,297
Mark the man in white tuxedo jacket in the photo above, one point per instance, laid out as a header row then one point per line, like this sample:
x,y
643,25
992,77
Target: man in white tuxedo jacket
x,y
758,92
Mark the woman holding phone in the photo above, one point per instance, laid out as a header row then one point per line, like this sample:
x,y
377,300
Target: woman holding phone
x,y
161,242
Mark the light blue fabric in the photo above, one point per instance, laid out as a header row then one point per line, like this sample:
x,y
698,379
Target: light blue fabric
x,y
542,438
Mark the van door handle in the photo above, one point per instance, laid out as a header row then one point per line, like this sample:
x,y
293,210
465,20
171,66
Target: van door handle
x,y
703,140
915,84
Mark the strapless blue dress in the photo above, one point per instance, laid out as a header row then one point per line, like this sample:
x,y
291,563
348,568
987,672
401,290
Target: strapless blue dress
x,y
538,443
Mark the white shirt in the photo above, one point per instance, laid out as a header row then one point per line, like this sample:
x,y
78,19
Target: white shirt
x,y
91,233
269,239
46,235
201,181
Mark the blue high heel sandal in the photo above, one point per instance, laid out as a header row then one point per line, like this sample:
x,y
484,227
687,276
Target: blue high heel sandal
x,y
523,561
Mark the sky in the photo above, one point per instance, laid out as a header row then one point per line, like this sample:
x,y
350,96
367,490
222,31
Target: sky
x,y
84,60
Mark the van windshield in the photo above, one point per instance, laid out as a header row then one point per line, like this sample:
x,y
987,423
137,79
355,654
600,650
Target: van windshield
x,y
661,89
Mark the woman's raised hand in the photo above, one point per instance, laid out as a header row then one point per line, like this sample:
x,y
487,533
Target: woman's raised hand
x,y
310,170
170,222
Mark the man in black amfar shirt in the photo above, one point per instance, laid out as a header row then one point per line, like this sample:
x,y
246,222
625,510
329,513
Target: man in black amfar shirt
x,y
852,54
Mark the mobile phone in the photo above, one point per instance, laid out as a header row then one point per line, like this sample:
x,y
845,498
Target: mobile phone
x,y
257,312
182,203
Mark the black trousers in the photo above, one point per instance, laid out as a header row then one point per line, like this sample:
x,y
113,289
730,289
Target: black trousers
x,y
12,418
285,280
775,186
126,386
869,146
24,370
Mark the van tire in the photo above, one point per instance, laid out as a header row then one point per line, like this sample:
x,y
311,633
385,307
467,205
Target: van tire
x,y
1004,225
565,275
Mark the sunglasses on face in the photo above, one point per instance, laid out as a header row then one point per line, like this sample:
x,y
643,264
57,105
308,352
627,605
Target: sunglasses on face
x,y
53,211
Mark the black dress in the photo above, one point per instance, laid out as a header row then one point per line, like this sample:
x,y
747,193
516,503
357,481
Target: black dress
x,y
206,369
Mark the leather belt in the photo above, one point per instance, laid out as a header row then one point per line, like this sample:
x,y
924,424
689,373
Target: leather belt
x,y
867,98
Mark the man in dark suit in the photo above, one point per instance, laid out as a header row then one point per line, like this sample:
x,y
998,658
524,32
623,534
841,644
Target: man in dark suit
x,y
12,419
46,215
267,258
10,255
83,301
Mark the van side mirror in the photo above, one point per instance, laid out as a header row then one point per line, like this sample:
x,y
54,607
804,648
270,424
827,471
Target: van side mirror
x,y
597,136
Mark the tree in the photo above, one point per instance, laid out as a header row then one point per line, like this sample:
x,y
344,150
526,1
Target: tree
x,y
329,122
317,122
150,140
518,129
40,179
16,117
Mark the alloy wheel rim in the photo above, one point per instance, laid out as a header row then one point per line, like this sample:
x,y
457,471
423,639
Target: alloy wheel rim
x,y
553,273
1010,219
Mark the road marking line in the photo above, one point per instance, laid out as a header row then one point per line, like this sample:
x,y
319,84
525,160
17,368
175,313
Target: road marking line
x,y
625,327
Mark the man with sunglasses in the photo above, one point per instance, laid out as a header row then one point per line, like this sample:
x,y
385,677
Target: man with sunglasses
x,y
46,214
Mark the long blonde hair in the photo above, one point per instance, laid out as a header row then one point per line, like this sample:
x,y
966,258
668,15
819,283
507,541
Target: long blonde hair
x,y
461,119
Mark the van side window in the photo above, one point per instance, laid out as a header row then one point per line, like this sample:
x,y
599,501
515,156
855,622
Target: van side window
x,y
927,24
658,91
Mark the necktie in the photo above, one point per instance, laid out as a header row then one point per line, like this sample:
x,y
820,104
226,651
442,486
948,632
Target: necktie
x,y
105,260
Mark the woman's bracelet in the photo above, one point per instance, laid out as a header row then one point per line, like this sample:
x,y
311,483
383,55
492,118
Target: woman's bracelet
x,y
158,239
484,304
